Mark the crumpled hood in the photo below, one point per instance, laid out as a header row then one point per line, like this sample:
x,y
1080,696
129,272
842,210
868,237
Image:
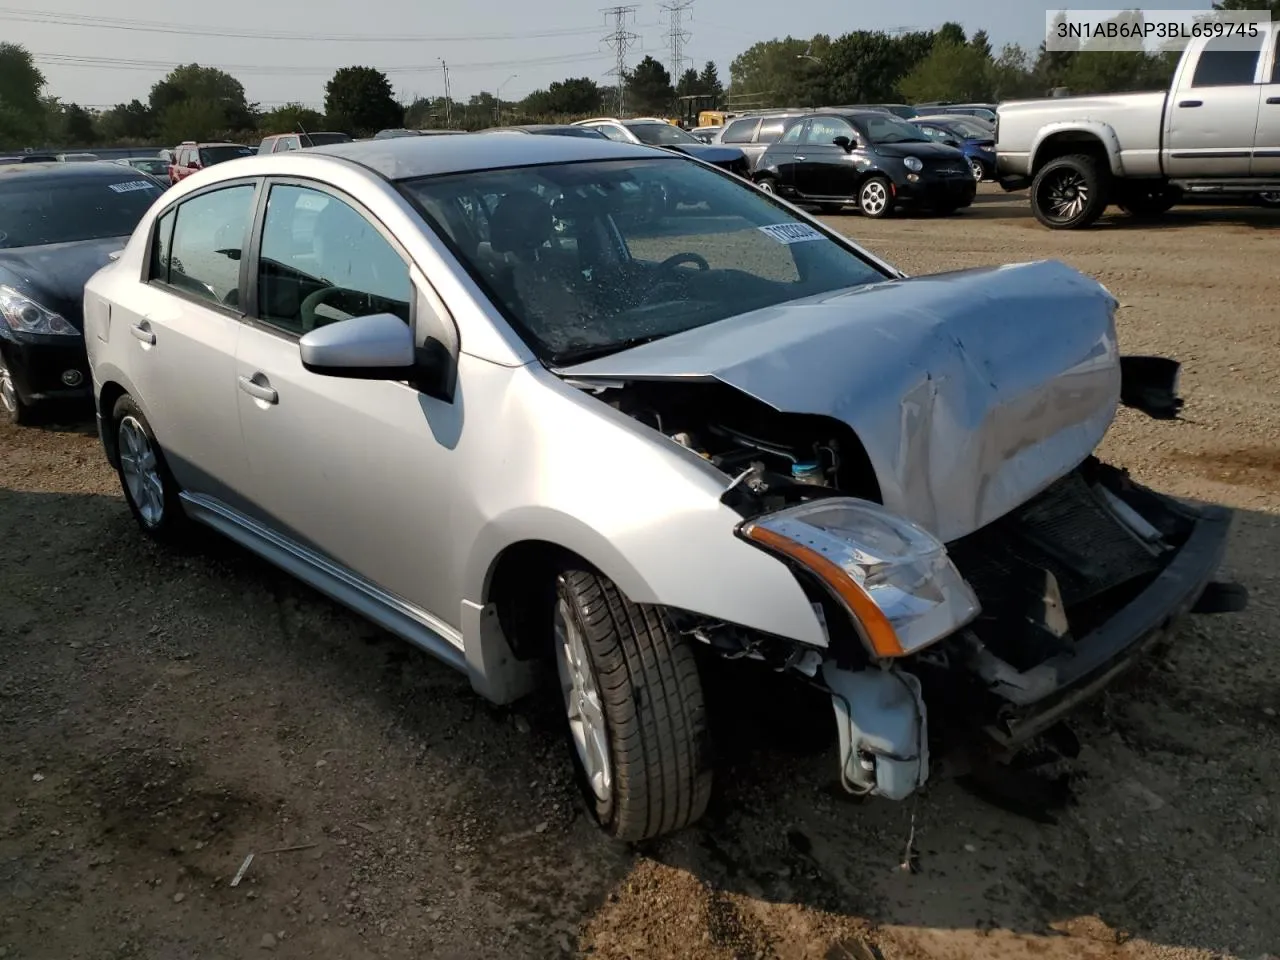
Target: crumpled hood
x,y
54,274
971,391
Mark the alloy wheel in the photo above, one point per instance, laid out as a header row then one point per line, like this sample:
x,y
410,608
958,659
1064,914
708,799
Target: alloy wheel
x,y
1064,195
8,392
975,166
873,198
141,471
583,704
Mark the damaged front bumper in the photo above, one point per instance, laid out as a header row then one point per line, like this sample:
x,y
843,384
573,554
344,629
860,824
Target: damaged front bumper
x,y
1018,669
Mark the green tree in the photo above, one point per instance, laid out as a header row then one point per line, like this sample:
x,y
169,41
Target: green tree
x,y
22,113
689,84
192,120
951,71
980,41
950,32
78,126
361,98
564,98
1272,5
126,121
209,86
649,88
1011,75
424,113
867,67
709,81
290,118
786,72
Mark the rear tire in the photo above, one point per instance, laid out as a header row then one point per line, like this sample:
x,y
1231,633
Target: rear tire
x,y
635,709
1070,193
1138,201
148,485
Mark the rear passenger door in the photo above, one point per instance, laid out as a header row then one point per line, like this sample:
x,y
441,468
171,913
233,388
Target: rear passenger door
x,y
1266,143
1213,112
182,332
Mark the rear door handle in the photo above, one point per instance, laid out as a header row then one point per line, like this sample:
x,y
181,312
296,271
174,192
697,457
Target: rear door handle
x,y
798,157
142,331
1191,103
1273,100
259,391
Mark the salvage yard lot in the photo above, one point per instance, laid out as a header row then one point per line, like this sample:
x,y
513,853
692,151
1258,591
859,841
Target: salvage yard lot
x,y
164,714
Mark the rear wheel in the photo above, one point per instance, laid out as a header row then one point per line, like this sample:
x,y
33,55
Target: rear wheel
x,y
635,710
1269,199
1070,192
149,487
12,407
1141,201
875,198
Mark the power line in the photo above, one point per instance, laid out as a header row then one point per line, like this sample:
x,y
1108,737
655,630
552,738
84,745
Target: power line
x,y
677,35
621,39
159,26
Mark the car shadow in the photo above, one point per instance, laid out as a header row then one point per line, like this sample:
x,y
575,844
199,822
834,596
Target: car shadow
x,y
206,664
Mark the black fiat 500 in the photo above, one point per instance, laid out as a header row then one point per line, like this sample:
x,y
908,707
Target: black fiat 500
x,y
871,159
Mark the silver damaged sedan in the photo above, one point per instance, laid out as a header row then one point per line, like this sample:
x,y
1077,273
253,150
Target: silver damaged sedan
x,y
510,400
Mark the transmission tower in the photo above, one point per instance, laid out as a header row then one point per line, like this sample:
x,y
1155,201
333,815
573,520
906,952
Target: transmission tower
x,y
677,35
621,39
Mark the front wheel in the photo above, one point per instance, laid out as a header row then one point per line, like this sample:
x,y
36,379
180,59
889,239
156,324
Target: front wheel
x,y
635,710
12,407
978,170
875,198
1070,192
767,185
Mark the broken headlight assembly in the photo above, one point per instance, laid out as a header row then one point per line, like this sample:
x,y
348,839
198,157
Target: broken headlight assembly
x,y
23,315
895,578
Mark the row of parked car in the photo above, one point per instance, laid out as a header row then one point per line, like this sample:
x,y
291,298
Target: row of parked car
x,y
675,436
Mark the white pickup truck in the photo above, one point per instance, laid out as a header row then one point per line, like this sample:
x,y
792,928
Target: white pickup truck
x,y
1216,130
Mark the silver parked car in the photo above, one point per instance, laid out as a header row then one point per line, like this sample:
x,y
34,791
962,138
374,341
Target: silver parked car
x,y
476,390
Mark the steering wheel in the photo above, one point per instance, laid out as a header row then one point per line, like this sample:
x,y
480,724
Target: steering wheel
x,y
675,260
327,295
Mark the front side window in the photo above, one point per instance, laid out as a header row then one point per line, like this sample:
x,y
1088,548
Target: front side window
x,y
39,210
1223,64
323,261
824,130
208,240
586,258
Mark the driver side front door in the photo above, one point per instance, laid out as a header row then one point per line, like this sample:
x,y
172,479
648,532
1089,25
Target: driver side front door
x,y
352,469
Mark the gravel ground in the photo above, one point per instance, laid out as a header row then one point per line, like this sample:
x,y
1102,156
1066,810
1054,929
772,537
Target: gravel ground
x,y
163,715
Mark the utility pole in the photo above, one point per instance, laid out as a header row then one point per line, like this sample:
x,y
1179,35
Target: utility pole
x,y
677,35
621,39
448,102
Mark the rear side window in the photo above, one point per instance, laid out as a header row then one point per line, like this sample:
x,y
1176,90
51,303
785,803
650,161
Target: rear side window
x,y
740,131
208,240
771,130
612,132
1223,64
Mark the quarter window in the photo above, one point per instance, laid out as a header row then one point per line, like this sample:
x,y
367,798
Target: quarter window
x,y
740,131
1223,64
208,239
323,261
162,247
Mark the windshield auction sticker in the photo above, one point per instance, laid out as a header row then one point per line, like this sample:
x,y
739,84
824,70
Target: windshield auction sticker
x,y
1153,31
131,186
791,232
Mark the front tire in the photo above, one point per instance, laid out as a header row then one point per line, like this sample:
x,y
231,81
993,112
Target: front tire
x,y
1070,193
978,170
875,198
767,185
635,709
12,408
149,487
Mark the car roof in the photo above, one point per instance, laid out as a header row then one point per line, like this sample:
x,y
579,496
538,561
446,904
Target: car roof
x,y
400,158
86,170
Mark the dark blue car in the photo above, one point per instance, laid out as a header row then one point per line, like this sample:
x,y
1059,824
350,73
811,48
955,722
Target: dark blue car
x,y
975,139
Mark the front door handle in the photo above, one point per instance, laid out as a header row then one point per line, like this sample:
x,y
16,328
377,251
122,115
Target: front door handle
x,y
143,332
801,158
259,391
1273,100
1191,103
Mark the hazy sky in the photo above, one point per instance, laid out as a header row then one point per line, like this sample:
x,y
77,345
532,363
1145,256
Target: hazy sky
x,y
97,54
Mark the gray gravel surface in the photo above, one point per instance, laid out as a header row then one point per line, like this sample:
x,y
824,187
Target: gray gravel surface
x,y
165,714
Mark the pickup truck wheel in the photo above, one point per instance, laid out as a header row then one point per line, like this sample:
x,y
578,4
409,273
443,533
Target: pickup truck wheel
x,y
1147,201
636,715
1070,192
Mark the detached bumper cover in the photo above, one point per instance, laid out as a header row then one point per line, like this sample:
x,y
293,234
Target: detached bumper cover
x,y
1038,697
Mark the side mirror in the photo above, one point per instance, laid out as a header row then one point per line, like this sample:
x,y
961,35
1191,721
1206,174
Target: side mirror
x,y
844,143
376,347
